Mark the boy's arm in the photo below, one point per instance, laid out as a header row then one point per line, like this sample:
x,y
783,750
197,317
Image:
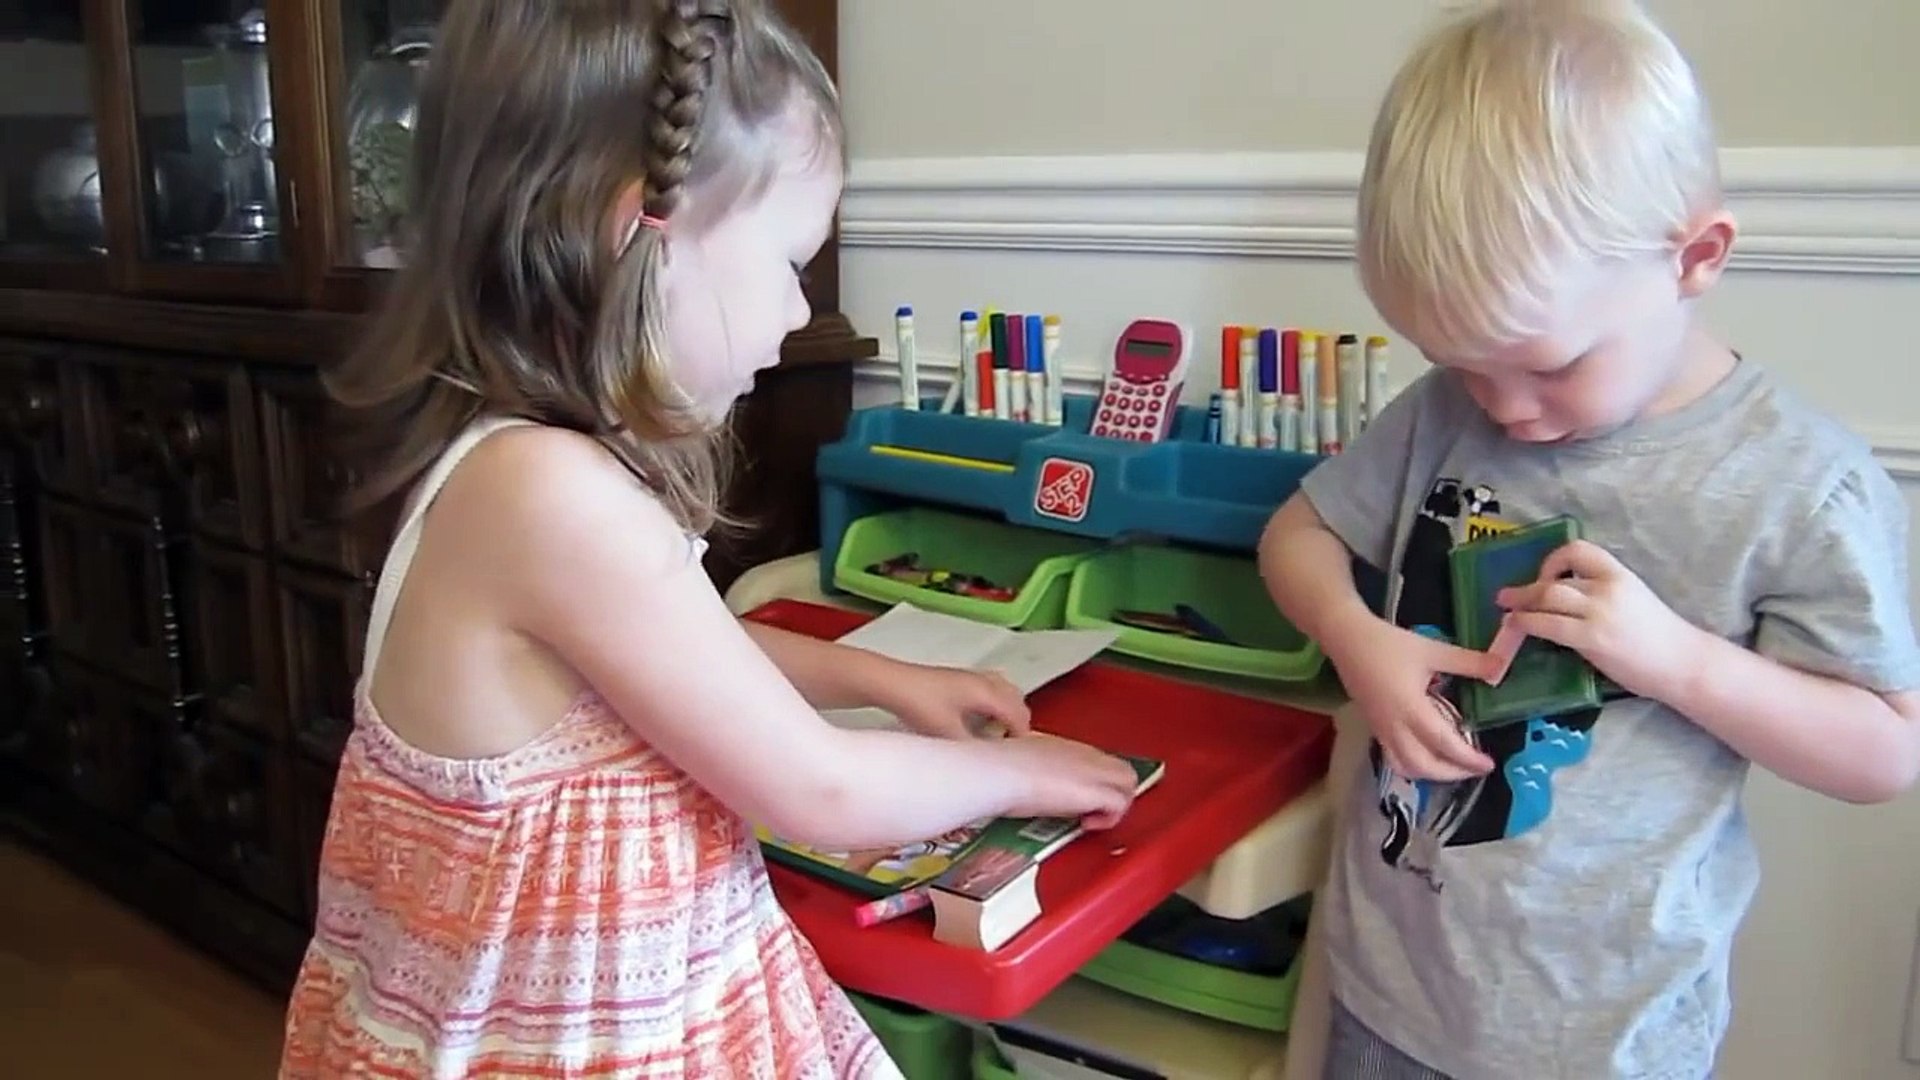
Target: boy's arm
x,y
1826,698
1818,732
1308,572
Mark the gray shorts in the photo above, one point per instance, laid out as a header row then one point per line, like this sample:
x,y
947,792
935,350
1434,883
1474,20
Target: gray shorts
x,y
1354,1052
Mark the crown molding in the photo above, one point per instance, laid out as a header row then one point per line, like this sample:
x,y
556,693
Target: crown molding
x,y
1832,210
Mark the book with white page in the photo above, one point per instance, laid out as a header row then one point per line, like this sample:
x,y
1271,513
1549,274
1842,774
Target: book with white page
x,y
1027,659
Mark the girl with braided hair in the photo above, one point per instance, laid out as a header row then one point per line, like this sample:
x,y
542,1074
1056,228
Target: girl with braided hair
x,y
538,859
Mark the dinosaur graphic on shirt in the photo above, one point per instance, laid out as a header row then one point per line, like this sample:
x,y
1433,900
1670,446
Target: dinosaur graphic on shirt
x,y
1423,816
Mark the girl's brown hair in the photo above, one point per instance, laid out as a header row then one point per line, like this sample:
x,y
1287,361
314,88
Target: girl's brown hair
x,y
535,117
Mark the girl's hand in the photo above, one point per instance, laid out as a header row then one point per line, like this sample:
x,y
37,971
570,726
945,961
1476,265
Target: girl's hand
x,y
1588,601
1389,672
1063,778
951,703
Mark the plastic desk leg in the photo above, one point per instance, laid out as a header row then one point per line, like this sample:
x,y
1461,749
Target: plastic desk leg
x,y
1313,1003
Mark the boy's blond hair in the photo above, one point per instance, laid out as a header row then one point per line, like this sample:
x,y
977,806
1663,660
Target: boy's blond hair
x,y
1520,140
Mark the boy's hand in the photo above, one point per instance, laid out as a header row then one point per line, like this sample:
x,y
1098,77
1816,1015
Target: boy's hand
x,y
947,702
1588,601
1388,671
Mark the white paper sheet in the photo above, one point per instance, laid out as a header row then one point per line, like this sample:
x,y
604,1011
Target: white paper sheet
x,y
1029,659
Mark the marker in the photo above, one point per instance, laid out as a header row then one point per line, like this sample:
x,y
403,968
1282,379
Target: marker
x,y
929,456
969,374
909,368
1352,391
1328,377
983,378
888,908
1376,377
1309,397
997,326
1249,380
1037,371
1056,380
1017,366
1213,416
1289,435
1230,384
1266,431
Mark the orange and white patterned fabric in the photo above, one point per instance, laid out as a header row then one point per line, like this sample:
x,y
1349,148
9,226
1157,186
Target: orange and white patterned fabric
x,y
576,908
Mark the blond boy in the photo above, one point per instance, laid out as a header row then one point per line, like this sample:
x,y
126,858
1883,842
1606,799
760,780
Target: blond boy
x,y
1557,897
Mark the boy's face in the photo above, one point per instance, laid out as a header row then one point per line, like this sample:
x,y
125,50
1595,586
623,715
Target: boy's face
x,y
1617,345
1612,345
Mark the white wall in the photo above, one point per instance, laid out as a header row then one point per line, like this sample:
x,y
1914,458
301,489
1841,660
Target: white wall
x,y
938,77
1150,201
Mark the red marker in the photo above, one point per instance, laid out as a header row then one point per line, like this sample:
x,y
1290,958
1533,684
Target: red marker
x,y
1290,390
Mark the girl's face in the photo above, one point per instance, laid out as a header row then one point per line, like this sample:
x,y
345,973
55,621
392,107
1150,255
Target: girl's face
x,y
732,284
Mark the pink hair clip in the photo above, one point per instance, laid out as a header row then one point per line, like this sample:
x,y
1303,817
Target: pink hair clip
x,y
644,221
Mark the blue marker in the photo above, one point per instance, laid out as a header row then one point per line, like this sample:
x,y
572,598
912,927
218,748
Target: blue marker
x,y
1266,429
1037,373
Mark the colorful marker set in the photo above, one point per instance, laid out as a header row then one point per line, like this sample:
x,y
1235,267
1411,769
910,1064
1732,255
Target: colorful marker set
x,y
1304,391
1009,367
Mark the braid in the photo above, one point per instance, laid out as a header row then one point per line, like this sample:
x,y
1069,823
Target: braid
x,y
689,36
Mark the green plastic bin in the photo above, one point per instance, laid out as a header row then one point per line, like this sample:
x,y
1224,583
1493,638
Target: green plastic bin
x,y
987,1062
1238,997
1035,563
1224,589
926,1046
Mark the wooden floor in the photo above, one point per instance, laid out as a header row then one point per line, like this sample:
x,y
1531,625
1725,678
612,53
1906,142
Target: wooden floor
x,y
88,988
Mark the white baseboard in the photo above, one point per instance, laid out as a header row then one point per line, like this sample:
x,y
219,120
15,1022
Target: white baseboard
x,y
1819,209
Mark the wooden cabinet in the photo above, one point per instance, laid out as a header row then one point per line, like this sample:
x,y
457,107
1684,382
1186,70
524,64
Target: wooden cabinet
x,y
194,218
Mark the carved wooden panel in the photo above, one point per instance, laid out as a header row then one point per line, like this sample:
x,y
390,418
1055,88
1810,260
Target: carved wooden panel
x,y
234,644
323,625
39,410
305,478
222,805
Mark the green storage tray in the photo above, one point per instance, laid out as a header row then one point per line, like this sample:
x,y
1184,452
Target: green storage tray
x,y
1035,563
926,1046
1227,590
987,1062
1256,1001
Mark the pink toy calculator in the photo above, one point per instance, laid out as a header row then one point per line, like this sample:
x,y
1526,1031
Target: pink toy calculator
x,y
1142,392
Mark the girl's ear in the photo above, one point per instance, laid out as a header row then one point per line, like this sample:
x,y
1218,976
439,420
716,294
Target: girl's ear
x,y
624,222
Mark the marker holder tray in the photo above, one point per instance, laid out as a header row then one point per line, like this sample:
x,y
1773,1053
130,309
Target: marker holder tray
x,y
1182,490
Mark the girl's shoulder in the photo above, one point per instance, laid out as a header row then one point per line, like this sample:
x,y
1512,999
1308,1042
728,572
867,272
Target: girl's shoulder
x,y
541,494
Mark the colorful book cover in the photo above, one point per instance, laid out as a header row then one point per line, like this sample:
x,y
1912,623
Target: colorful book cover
x,y
884,871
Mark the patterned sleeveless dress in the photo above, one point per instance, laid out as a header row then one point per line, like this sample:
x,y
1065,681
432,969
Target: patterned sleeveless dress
x,y
578,907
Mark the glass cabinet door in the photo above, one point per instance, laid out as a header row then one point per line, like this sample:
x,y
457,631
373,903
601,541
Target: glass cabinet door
x,y
51,209
203,114
380,49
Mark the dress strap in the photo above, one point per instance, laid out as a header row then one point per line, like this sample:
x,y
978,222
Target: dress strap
x,y
406,540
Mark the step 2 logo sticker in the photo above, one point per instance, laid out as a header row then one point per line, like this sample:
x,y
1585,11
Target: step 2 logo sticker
x,y
1065,489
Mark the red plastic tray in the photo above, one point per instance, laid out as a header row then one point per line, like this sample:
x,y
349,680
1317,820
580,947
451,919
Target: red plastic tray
x,y
1232,762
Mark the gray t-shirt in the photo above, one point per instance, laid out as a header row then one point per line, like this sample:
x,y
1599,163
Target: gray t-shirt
x,y
1571,913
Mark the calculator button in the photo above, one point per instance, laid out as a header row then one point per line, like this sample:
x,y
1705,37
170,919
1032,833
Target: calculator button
x,y
1159,389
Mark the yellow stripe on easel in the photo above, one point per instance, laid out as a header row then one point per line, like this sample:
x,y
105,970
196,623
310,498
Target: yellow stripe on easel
x,y
942,459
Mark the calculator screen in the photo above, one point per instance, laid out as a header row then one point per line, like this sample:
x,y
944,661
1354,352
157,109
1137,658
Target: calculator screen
x,y
1150,348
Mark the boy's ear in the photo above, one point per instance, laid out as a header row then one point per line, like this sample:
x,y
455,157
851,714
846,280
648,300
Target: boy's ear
x,y
1704,249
